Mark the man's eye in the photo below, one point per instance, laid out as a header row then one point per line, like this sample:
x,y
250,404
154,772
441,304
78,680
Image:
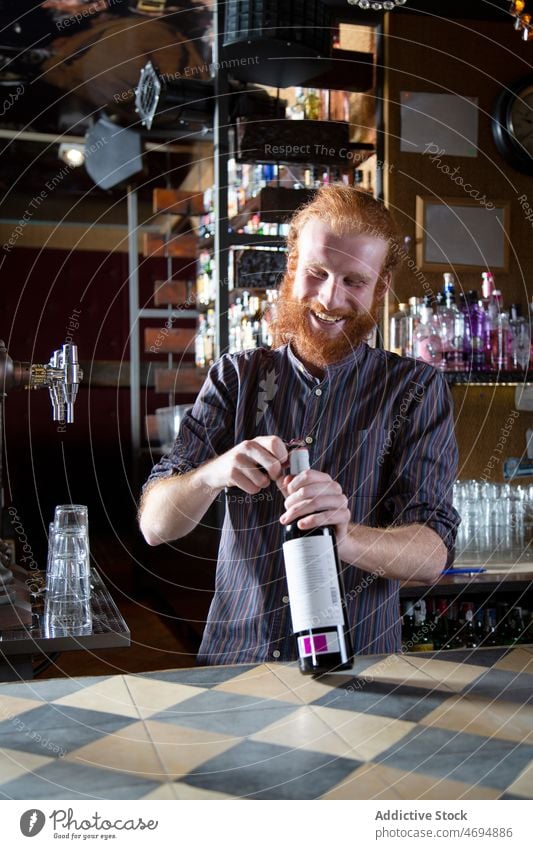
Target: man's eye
x,y
354,284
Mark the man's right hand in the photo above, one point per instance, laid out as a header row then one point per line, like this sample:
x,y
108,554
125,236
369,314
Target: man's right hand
x,y
251,465
172,507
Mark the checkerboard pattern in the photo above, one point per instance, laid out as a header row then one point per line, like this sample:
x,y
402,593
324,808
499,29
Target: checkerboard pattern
x,y
456,725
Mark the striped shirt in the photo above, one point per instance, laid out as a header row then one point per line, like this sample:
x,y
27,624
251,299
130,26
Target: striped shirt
x,y
379,424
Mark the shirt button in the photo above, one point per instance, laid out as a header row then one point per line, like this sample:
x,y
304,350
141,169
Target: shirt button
x,y
285,599
318,392
276,653
309,440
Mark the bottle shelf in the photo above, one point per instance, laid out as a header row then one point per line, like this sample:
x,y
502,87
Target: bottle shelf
x,y
273,204
488,378
304,142
267,61
246,240
479,583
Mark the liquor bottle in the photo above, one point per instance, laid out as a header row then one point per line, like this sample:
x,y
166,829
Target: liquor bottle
x,y
423,632
455,627
199,348
408,626
478,625
469,632
296,111
312,105
475,332
412,323
504,627
315,585
449,284
427,341
399,331
497,334
517,625
520,340
487,285
451,324
440,626
490,635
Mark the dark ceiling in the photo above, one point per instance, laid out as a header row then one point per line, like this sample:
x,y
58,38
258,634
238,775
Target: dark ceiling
x,y
65,62
473,9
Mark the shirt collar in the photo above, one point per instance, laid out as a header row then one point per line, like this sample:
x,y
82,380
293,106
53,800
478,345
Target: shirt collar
x,y
348,362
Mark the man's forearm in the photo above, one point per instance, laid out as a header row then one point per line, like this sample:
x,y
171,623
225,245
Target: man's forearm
x,y
172,507
409,551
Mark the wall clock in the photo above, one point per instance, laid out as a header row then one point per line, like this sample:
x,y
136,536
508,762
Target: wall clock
x,y
512,124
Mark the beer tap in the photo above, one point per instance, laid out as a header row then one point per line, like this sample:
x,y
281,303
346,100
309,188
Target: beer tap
x,y
61,375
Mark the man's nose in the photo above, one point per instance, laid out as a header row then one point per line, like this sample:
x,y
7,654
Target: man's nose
x,y
331,293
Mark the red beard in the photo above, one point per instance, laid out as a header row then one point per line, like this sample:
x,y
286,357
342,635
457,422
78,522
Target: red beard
x,y
314,346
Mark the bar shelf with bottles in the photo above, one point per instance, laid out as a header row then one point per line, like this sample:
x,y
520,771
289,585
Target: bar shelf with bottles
x,y
249,314
471,339
262,196
445,623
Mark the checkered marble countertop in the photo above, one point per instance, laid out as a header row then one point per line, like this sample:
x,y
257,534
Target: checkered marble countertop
x,y
457,725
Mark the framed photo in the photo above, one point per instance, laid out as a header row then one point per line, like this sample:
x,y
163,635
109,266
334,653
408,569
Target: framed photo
x,y
460,232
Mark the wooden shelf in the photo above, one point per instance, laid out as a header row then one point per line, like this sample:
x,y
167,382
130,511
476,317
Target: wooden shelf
x,y
172,293
168,340
177,202
505,581
182,380
488,378
182,245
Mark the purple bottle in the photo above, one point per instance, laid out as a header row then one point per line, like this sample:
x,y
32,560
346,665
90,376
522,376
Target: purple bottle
x,y
475,332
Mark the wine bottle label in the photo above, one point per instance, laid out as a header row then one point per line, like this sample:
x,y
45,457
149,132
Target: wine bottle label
x,y
313,583
326,643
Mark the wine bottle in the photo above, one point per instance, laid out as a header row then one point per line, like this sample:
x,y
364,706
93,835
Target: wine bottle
x,y
440,626
422,638
469,632
408,626
315,585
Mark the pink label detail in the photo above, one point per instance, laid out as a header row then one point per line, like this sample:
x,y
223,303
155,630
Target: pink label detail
x,y
320,644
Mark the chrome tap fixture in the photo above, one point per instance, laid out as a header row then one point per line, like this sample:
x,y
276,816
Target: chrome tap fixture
x,y
62,376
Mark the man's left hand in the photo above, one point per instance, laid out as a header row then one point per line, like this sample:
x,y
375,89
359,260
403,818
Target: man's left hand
x,y
315,500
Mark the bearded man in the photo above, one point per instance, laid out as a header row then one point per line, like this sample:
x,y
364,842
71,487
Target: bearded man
x,y
379,430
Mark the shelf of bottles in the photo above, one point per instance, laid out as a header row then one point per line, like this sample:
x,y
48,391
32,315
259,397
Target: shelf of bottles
x,y
250,310
471,338
443,623
254,269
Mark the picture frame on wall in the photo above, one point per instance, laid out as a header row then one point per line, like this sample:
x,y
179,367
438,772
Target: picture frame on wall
x,y
462,233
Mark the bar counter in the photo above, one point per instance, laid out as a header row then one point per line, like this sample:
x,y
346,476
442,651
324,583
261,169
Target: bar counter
x,y
448,725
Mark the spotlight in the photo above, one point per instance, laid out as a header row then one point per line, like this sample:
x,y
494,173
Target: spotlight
x,y
72,154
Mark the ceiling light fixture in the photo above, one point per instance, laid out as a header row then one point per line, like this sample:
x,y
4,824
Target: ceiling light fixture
x,y
522,11
72,154
385,6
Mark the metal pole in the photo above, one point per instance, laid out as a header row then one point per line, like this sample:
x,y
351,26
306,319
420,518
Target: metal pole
x,y
221,154
133,289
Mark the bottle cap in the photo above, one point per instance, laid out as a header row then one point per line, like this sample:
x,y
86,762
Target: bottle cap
x,y
449,283
298,460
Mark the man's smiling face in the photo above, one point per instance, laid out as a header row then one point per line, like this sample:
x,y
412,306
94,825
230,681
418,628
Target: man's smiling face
x,y
334,298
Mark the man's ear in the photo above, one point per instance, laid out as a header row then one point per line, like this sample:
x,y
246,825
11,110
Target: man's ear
x,y
383,285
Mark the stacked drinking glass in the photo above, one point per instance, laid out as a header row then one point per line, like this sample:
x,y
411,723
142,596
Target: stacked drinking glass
x,y
496,521
68,586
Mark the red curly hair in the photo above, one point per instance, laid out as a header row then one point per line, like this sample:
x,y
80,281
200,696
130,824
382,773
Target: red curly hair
x,y
346,210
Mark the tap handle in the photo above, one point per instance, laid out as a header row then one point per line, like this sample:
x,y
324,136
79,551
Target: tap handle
x,y
72,375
